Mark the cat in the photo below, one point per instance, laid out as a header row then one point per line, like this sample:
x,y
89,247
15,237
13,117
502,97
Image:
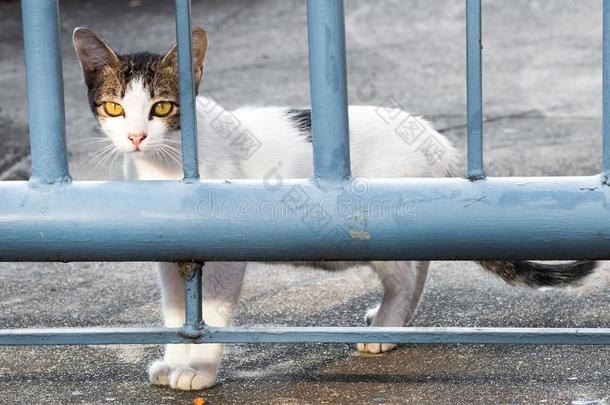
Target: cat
x,y
135,99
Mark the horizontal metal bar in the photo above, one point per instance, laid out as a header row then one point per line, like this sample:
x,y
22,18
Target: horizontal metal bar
x,y
394,219
91,336
103,336
188,117
327,77
411,335
45,89
474,87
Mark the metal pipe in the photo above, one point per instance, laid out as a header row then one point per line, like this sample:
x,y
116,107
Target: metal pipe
x,y
188,114
193,318
606,92
45,91
474,90
327,77
397,219
107,336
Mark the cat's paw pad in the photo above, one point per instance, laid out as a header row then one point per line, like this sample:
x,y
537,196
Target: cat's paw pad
x,y
375,348
190,379
158,373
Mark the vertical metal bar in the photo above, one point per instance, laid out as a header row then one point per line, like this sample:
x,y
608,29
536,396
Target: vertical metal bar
x,y
474,90
606,92
188,117
193,312
45,91
327,75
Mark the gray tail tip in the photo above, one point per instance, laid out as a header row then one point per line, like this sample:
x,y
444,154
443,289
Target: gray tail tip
x,y
535,274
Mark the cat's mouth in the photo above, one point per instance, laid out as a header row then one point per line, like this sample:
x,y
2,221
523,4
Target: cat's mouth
x,y
138,152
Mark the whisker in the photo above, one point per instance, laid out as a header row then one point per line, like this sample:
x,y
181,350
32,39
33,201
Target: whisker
x,y
175,159
115,158
106,155
168,142
109,157
170,148
161,152
98,164
93,139
173,152
168,152
102,151
102,162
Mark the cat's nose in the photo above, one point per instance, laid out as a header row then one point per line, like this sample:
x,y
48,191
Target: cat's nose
x,y
136,139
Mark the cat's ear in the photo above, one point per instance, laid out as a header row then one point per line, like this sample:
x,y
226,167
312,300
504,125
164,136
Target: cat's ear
x,y
199,48
93,53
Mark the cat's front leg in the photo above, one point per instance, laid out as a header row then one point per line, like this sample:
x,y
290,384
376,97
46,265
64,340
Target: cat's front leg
x,y
403,285
172,300
221,287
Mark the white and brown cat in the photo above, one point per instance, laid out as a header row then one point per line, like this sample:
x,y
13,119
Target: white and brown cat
x,y
135,99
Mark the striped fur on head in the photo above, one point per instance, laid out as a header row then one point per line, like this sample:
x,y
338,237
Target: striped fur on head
x,y
108,74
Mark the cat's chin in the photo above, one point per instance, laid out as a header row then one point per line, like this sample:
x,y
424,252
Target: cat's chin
x,y
138,154
150,157
141,155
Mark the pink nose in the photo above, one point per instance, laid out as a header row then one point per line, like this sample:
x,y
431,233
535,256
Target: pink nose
x,y
136,139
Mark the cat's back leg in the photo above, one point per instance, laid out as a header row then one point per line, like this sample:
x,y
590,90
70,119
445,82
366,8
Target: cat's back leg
x,y
403,285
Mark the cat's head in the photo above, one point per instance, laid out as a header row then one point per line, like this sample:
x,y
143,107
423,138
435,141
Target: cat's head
x,y
135,97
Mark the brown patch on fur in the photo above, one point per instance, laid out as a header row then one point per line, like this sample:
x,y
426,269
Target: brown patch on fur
x,y
185,269
172,121
168,66
504,270
107,86
166,87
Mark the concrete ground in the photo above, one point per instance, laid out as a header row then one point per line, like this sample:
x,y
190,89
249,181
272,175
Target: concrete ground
x,y
542,63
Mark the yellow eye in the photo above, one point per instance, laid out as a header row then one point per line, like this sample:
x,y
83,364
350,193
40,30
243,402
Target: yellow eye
x,y
113,109
162,108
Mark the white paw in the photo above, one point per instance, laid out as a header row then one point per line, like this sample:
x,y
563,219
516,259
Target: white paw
x,y
375,348
369,317
189,379
158,373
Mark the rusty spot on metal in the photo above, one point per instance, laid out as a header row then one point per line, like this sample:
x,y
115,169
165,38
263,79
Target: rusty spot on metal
x,y
362,235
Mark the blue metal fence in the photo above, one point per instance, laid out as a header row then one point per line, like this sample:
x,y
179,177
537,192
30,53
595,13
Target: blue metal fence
x,y
51,218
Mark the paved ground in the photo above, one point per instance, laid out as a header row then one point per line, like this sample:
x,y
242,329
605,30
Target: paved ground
x,y
542,94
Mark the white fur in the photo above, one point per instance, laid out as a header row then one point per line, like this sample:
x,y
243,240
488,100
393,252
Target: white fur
x,y
137,104
377,150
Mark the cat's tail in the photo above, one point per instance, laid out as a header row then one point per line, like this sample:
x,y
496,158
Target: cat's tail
x,y
535,275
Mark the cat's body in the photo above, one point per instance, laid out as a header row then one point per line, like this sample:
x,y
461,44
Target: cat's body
x,y
284,151
135,100
278,140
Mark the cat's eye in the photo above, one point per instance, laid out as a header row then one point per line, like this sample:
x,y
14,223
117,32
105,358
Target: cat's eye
x,y
113,109
162,108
